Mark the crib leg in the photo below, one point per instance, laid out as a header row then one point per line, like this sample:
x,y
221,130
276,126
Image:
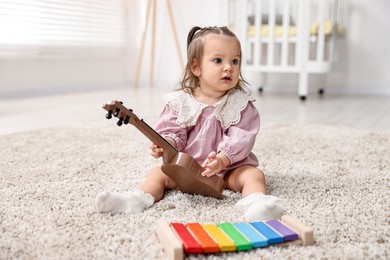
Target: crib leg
x,y
263,81
303,85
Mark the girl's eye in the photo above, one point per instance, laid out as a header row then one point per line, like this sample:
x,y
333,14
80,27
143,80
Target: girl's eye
x,y
235,62
217,60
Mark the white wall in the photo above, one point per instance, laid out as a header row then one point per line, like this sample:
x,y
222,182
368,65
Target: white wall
x,y
186,14
364,67
34,76
366,64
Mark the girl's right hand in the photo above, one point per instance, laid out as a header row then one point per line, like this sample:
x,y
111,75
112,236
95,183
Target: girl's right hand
x,y
156,151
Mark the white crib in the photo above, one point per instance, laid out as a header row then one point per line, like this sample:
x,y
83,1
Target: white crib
x,y
288,36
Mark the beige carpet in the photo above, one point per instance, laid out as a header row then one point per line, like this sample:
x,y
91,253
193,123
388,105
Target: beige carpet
x,y
336,180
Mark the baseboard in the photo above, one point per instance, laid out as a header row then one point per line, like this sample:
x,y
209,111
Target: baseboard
x,y
359,90
56,90
380,91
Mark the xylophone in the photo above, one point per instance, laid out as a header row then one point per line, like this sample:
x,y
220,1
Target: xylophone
x,y
179,239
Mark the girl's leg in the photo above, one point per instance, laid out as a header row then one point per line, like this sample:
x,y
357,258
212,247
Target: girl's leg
x,y
151,190
250,181
246,179
156,183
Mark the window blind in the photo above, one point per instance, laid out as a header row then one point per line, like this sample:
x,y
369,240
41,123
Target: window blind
x,y
62,27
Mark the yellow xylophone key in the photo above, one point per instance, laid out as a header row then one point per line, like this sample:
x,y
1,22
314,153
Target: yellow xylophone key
x,y
223,241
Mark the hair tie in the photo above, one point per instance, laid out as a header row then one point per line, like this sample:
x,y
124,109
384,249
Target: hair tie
x,y
191,34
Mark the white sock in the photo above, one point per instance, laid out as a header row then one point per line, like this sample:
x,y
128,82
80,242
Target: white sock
x,y
129,202
258,206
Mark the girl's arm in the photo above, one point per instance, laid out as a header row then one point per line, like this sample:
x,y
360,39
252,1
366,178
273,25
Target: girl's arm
x,y
167,127
238,140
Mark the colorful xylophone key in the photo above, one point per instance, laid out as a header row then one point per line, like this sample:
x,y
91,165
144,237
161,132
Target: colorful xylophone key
x,y
257,239
190,244
191,238
241,242
224,242
200,234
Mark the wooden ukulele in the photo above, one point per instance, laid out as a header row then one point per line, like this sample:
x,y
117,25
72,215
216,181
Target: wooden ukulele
x,y
181,167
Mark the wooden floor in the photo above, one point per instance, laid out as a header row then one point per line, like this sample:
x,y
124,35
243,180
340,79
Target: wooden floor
x,y
28,113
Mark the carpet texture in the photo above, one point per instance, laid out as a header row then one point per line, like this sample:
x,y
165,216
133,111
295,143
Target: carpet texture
x,y
336,180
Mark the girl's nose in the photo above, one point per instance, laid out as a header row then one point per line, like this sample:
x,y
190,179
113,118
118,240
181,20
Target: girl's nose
x,y
227,67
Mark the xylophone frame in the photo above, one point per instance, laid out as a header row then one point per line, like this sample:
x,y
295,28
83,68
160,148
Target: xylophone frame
x,y
174,249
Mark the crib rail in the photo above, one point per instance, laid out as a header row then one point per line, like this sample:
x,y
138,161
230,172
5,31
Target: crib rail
x,y
288,36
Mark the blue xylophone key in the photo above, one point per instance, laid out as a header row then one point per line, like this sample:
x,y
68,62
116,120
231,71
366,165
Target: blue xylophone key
x,y
287,234
254,237
269,233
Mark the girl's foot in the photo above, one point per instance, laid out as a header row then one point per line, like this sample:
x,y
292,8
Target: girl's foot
x,y
258,206
133,202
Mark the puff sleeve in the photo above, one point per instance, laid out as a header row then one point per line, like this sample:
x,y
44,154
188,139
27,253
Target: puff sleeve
x,y
238,140
166,126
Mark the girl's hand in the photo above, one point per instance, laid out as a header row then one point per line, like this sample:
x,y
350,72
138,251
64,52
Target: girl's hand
x,y
156,151
214,164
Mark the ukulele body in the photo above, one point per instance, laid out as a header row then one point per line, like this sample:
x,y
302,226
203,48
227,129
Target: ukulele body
x,y
187,173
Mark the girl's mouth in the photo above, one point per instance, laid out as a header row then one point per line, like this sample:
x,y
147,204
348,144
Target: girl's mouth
x,y
227,78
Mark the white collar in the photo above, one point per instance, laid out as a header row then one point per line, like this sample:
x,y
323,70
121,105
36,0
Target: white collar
x,y
227,109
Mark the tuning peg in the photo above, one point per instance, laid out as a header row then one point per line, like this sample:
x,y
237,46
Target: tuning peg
x,y
126,120
109,114
120,122
116,112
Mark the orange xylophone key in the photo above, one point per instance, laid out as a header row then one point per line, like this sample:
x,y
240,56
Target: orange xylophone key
x,y
208,244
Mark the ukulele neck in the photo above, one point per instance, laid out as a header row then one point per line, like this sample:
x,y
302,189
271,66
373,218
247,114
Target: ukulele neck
x,y
169,150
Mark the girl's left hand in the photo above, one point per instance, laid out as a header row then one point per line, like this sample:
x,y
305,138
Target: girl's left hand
x,y
214,164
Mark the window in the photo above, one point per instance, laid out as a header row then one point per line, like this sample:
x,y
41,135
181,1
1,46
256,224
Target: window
x,y
51,28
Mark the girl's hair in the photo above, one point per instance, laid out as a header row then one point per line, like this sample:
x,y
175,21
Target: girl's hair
x,y
195,51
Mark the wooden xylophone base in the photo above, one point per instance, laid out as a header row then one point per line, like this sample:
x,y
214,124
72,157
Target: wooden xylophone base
x,y
176,239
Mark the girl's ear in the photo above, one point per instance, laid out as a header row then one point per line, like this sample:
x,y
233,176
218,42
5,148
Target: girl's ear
x,y
195,69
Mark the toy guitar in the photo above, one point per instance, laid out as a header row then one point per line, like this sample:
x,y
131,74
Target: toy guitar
x,y
181,167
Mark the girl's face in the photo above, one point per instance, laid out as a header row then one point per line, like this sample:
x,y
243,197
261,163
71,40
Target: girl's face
x,y
219,68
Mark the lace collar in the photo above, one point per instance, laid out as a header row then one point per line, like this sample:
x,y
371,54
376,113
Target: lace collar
x,y
227,110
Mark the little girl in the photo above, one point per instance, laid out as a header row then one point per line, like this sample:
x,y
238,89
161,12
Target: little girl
x,y
212,118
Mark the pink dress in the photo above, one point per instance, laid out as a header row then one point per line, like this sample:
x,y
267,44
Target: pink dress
x,y
229,126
